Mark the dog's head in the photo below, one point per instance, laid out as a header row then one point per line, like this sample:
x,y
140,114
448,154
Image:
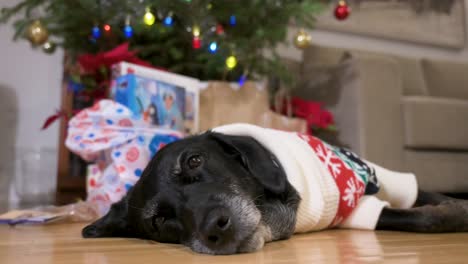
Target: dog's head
x,y
214,193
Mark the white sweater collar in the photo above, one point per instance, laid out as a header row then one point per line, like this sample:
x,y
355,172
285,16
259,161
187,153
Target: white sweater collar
x,y
318,191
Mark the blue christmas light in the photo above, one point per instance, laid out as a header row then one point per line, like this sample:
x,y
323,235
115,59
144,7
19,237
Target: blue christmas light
x,y
213,47
232,20
128,31
96,32
168,21
242,79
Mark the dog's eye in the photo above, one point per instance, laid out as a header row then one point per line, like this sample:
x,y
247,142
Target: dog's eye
x,y
195,161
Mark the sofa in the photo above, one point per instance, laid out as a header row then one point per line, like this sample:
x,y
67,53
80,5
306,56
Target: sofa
x,y
406,114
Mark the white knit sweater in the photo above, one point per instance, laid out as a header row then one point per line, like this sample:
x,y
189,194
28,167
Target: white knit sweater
x,y
320,195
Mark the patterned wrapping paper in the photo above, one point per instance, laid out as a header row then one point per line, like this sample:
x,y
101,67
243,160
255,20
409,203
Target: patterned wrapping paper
x,y
120,145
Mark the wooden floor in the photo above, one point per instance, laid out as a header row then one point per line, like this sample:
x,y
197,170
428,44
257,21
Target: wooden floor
x,y
63,244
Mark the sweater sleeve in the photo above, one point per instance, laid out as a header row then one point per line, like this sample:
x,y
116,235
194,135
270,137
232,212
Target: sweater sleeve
x,y
366,214
398,188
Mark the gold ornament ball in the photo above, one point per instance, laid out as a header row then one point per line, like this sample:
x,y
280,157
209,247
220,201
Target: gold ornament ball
x,y
49,47
302,39
37,33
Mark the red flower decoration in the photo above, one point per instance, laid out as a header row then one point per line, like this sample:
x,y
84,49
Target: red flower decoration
x,y
312,112
326,119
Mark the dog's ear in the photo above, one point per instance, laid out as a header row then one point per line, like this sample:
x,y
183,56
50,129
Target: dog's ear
x,y
256,159
113,224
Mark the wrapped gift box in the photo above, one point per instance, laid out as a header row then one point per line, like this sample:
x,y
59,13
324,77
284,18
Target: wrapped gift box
x,y
161,98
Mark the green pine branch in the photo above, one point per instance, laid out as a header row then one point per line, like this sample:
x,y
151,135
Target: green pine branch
x,y
260,26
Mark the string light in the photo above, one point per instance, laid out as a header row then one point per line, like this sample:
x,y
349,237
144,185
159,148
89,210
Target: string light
x,y
196,42
219,29
232,20
149,18
231,62
96,32
242,79
213,47
196,31
168,21
128,30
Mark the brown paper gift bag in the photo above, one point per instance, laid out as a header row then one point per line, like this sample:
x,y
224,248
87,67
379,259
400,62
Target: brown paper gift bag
x,y
222,103
274,120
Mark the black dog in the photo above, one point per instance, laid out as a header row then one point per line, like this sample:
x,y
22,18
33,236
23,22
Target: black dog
x,y
221,194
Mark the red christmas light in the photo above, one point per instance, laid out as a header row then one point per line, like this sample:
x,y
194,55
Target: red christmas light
x,y
107,27
196,43
219,29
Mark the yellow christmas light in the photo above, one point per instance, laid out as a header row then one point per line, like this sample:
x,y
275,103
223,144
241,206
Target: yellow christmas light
x,y
231,62
196,31
149,18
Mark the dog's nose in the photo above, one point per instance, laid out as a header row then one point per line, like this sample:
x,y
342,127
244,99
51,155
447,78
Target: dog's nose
x,y
217,229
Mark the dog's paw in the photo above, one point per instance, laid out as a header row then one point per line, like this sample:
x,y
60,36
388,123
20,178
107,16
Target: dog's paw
x,y
90,231
455,214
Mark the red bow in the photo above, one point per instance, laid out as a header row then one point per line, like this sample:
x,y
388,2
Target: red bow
x,y
58,115
92,62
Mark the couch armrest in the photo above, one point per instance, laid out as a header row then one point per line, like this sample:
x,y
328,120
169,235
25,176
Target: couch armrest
x,y
369,112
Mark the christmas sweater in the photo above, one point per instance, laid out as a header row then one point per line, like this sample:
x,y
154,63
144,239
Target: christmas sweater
x,y
337,188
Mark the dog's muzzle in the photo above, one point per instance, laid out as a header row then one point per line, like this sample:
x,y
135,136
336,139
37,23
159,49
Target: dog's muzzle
x,y
217,228
220,218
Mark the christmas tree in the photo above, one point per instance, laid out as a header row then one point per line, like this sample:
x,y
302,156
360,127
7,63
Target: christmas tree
x,y
209,40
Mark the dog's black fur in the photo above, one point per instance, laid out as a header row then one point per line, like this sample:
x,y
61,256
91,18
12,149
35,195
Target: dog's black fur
x,y
222,194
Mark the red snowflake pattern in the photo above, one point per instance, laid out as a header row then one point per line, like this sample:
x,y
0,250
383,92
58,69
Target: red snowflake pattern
x,y
351,189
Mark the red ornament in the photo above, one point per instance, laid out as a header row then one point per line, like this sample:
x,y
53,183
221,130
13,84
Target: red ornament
x,y
219,29
196,43
342,10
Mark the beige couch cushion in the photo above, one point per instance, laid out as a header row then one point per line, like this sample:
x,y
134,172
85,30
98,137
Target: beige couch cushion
x,y
324,83
411,70
412,76
435,123
446,79
438,171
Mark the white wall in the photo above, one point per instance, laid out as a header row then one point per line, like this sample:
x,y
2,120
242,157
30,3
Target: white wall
x,y
35,78
343,40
